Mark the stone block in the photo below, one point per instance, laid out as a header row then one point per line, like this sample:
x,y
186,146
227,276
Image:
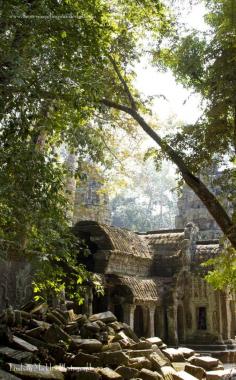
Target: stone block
x,y
206,362
146,374
140,362
114,346
54,334
130,333
127,373
83,374
85,360
138,353
216,375
142,345
109,374
117,326
186,352
106,317
158,360
182,375
23,345
196,371
88,345
114,358
155,340
15,356
7,376
173,354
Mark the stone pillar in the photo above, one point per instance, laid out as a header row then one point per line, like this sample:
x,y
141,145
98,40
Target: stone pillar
x,y
152,309
220,335
129,314
224,315
172,326
229,318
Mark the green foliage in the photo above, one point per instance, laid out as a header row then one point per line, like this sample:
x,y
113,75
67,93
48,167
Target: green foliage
x,y
55,69
205,63
223,274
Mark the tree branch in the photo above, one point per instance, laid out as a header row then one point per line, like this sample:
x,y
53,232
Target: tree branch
x,y
209,200
124,84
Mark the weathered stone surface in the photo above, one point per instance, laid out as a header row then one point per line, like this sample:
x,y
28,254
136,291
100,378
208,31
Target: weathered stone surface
x,y
44,325
168,372
130,333
146,374
196,371
16,356
216,375
83,374
52,318
57,352
174,354
186,352
109,374
34,341
155,340
91,326
114,346
7,376
138,353
85,360
22,344
117,326
40,309
182,375
142,345
36,332
124,339
88,345
127,373
206,362
178,366
36,372
60,315
114,358
106,317
140,362
54,334
158,360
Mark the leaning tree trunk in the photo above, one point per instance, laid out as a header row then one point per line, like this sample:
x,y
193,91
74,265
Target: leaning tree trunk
x,y
209,200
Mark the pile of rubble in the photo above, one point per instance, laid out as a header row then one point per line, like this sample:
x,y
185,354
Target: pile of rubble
x,y
38,342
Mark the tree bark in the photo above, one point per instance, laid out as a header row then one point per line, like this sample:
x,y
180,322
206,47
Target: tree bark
x,y
209,200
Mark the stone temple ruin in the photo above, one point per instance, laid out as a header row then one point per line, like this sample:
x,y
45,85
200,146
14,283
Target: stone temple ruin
x,y
153,281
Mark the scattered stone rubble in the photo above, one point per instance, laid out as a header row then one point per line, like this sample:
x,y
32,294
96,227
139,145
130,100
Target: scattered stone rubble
x,y
39,342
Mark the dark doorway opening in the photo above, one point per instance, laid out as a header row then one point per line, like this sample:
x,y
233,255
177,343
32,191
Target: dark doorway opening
x,y
138,321
159,323
119,313
88,260
201,318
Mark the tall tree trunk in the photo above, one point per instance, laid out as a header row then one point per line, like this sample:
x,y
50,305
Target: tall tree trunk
x,y
209,200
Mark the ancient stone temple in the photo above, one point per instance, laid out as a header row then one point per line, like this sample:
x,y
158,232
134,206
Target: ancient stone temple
x,y
154,282
91,203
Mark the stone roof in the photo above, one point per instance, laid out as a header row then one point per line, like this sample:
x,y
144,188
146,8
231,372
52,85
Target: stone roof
x,y
163,241
206,250
141,289
114,238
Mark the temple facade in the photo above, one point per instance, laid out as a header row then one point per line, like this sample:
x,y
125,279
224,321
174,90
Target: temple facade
x,y
154,282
